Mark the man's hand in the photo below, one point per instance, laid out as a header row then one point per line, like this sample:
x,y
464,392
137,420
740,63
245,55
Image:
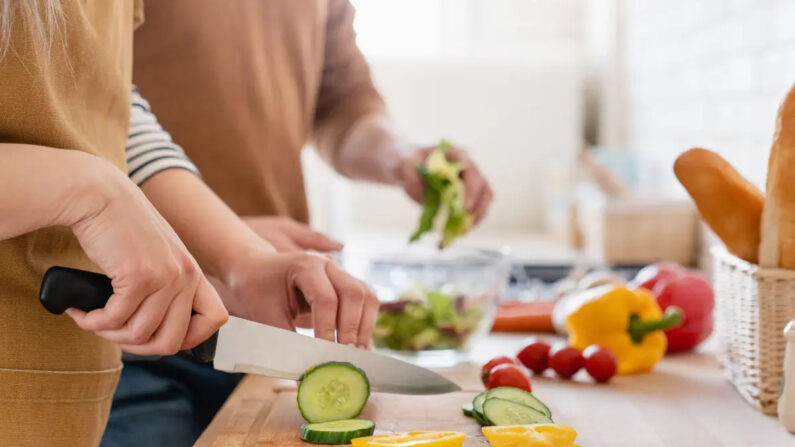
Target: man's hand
x,y
274,289
478,192
287,235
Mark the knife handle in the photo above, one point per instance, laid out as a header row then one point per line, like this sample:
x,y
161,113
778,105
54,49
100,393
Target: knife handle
x,y
64,287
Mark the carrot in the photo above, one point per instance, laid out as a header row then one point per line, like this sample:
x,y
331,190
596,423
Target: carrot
x,y
514,316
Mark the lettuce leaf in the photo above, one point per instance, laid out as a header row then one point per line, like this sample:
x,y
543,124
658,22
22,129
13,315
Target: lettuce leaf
x,y
444,192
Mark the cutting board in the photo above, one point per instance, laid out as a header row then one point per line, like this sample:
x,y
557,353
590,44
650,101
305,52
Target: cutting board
x,y
685,402
273,419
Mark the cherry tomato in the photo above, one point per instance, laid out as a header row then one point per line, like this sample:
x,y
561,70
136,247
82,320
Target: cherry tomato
x,y
565,360
649,276
535,356
600,363
484,371
508,374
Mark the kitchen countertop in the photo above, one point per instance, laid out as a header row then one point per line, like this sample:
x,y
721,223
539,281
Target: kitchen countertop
x,y
685,402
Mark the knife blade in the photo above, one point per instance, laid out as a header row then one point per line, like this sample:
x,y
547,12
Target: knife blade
x,y
249,347
245,346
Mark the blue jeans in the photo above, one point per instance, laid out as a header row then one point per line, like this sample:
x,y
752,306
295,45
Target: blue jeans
x,y
166,402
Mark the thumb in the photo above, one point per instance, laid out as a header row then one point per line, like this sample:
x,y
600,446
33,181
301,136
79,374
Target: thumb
x,y
209,315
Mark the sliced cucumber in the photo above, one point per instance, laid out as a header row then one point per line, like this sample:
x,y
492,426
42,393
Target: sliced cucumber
x,y
468,409
337,432
480,419
520,397
505,412
477,408
477,402
332,391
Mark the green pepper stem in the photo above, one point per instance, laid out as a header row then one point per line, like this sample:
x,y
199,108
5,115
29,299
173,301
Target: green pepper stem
x,y
638,328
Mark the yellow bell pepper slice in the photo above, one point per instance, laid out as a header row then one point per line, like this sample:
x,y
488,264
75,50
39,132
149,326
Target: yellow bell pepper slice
x,y
413,439
539,435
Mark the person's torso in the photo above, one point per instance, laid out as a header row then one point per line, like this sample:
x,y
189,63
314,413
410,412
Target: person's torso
x,y
75,96
235,84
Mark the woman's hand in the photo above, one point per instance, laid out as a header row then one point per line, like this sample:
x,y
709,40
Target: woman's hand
x,y
275,288
478,195
162,302
287,235
156,282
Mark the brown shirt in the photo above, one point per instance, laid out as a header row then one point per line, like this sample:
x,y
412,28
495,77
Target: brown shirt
x,y
243,85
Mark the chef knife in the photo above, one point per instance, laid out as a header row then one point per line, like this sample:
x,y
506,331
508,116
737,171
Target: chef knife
x,y
248,347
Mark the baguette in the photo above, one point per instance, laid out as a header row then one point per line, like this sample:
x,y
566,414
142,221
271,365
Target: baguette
x,y
777,247
729,204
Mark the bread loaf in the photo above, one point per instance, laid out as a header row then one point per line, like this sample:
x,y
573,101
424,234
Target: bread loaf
x,y
777,248
729,204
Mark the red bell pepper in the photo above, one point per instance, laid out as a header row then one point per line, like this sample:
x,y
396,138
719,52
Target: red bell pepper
x,y
692,293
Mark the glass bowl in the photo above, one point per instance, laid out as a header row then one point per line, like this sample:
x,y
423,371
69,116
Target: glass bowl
x,y
434,303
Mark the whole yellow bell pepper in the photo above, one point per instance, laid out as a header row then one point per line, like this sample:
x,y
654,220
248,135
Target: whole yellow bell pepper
x,y
539,435
628,322
413,439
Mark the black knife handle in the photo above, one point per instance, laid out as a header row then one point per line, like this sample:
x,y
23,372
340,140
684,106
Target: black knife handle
x,y
64,287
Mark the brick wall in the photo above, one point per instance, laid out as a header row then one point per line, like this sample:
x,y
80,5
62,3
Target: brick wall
x,y
704,73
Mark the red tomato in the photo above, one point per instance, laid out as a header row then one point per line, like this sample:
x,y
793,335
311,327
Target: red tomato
x,y
484,371
535,356
508,374
649,276
600,363
565,360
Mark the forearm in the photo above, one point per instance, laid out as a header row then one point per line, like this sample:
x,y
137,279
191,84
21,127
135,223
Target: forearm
x,y
213,233
372,151
42,187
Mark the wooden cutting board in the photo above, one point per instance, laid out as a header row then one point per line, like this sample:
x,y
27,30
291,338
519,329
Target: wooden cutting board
x,y
685,402
277,423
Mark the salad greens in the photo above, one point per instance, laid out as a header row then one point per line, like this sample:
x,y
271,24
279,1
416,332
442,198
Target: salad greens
x,y
426,321
444,190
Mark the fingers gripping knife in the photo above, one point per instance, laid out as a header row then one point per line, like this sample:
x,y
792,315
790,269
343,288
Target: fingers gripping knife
x,y
249,347
62,288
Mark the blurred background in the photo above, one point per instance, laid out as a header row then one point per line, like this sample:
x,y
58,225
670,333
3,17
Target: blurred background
x,y
575,109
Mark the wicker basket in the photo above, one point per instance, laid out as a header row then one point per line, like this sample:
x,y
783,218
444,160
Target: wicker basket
x,y
639,231
753,305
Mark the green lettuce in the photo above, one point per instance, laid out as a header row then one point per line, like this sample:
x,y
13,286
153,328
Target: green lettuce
x,y
444,191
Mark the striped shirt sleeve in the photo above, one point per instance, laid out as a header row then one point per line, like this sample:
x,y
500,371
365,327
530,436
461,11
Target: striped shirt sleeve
x,y
150,149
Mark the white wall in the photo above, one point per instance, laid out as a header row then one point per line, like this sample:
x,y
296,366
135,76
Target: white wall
x,y
706,73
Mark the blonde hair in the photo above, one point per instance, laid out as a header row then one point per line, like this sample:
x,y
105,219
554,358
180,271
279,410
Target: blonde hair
x,y
41,18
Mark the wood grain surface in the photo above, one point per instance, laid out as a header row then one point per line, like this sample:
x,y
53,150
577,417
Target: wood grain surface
x,y
684,402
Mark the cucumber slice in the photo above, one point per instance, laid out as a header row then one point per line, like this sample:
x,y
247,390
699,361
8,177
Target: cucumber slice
x,y
332,391
337,432
505,412
480,419
520,397
477,408
477,402
468,409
